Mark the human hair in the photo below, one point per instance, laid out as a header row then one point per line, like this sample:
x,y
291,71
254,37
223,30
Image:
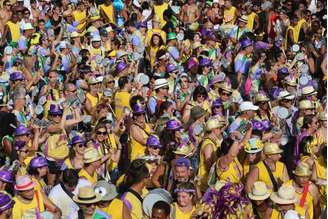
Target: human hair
x,y
164,106
307,121
188,187
162,205
32,171
304,145
70,177
225,147
135,174
160,43
122,81
7,124
135,99
199,90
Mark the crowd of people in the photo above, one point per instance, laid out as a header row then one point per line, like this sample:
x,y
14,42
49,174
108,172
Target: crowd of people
x,y
163,109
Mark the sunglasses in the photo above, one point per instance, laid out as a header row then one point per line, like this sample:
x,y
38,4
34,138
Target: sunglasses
x,y
155,147
201,95
57,115
23,151
225,94
80,145
101,133
110,82
165,88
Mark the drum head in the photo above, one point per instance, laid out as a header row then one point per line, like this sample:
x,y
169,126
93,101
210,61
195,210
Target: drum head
x,y
304,80
282,112
295,48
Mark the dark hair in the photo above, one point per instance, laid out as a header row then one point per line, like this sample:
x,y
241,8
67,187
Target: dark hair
x,y
306,140
122,81
199,90
135,99
307,121
70,177
161,42
164,106
163,206
136,172
32,171
225,147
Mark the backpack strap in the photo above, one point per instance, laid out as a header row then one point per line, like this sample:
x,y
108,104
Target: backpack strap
x,y
136,195
273,180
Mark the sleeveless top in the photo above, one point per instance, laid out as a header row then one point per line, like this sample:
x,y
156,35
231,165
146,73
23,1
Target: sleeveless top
x,y
14,31
250,21
202,171
264,175
321,171
178,214
137,149
134,204
159,10
308,202
233,173
92,179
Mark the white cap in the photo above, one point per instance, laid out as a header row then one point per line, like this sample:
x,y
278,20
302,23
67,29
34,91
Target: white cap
x,y
247,105
291,214
96,38
285,95
162,82
28,26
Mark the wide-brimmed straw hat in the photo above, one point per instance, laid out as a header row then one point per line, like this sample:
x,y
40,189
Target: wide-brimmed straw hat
x,y
259,191
86,195
302,169
285,195
91,155
215,122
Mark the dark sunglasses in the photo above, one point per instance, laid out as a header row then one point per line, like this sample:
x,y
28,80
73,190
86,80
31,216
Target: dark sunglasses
x,y
24,151
110,82
165,88
154,147
201,95
101,133
56,115
80,145
225,94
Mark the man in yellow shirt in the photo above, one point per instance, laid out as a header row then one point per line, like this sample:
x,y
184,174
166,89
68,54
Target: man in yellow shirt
x,y
122,97
230,13
11,32
107,11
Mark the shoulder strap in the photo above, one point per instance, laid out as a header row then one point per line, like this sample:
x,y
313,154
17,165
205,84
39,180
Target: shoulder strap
x,y
273,180
142,129
136,194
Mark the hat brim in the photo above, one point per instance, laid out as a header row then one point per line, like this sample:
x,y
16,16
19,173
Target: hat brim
x,y
258,198
92,160
254,151
31,186
302,175
276,199
310,94
55,113
254,108
161,85
95,199
276,152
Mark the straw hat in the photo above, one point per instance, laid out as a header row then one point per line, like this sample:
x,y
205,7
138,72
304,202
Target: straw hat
x,y
285,195
302,169
271,148
106,190
91,155
225,86
322,116
162,82
215,122
291,81
184,150
306,104
261,97
253,145
86,195
196,45
285,95
24,183
259,191
308,91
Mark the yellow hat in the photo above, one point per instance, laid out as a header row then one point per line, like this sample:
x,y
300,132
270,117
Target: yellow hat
x,y
261,97
75,34
225,86
184,150
302,169
259,191
87,195
95,18
253,145
271,148
306,104
215,122
91,155
291,81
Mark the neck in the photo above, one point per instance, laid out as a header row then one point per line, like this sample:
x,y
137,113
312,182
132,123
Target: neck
x,y
90,170
24,200
187,208
138,188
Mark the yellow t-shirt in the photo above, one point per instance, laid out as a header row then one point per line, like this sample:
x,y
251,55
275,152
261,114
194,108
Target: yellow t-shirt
x,y
115,209
39,184
180,214
137,149
24,210
92,179
202,171
159,10
14,31
122,99
250,21
78,16
108,11
230,15
133,204
264,175
152,31
321,171
233,174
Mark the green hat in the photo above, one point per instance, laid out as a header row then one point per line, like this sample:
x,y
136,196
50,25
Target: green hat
x,y
171,36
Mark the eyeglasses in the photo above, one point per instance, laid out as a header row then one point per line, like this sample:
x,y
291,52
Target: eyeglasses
x,y
101,133
80,145
154,147
90,205
57,115
225,94
201,95
111,82
165,88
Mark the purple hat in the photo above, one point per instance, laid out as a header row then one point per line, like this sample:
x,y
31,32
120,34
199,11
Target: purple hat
x,y
257,125
266,124
170,68
210,36
5,202
153,141
205,62
121,66
246,43
192,63
19,144
283,70
55,110
21,130
143,25
137,109
173,125
37,162
15,76
217,103
6,176
77,139
182,162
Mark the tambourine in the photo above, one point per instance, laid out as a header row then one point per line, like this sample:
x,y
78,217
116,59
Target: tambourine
x,y
38,109
304,69
42,100
142,78
295,48
87,119
304,80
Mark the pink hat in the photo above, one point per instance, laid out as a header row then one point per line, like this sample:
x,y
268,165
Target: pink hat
x,y
24,183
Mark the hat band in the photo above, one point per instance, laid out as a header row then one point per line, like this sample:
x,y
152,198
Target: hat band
x,y
86,198
6,206
18,187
